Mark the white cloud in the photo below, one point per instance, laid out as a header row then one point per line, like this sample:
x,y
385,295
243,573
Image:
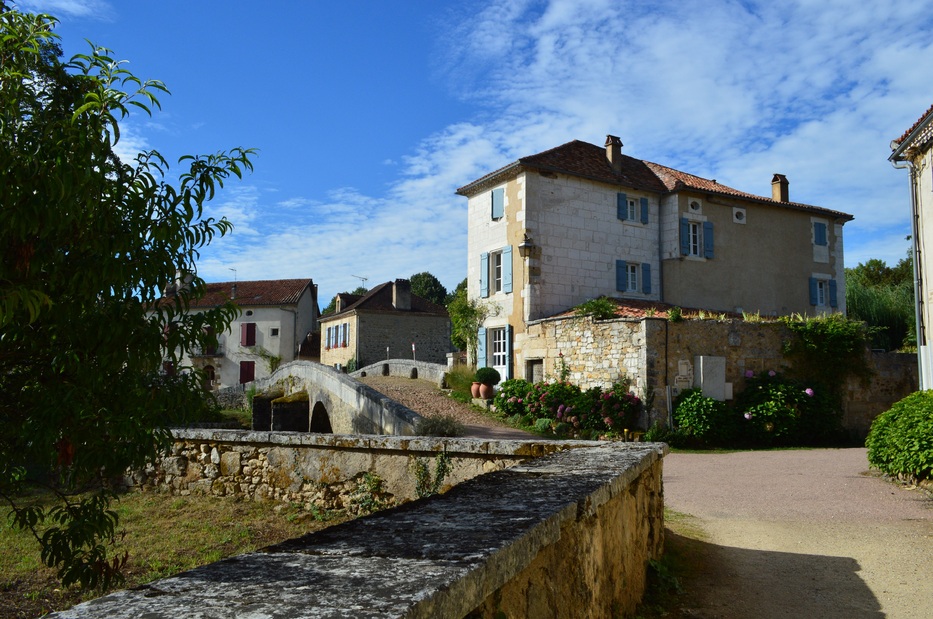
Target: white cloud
x,y
100,9
727,89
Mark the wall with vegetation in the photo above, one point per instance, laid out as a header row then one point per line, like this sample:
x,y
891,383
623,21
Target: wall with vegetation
x,y
655,353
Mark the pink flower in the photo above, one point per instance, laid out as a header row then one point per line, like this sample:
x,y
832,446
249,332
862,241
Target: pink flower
x,y
748,415
560,409
749,374
808,391
772,373
607,421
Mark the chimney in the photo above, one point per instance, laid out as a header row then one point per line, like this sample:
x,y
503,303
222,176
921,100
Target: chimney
x,y
401,294
614,153
779,191
233,291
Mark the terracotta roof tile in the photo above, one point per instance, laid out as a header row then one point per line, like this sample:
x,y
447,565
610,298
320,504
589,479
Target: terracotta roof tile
x,y
589,161
635,308
250,293
914,126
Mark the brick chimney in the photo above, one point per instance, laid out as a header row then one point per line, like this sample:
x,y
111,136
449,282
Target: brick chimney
x,y
614,153
401,294
779,190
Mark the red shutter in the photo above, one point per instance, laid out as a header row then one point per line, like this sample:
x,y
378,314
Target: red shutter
x,y
248,334
247,371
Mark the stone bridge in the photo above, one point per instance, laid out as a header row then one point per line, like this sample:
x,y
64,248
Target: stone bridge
x,y
303,396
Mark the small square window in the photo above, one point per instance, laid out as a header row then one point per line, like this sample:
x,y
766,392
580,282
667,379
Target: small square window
x,y
273,332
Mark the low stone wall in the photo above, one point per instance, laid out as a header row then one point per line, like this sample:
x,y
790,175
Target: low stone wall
x,y
406,368
655,354
565,535
323,471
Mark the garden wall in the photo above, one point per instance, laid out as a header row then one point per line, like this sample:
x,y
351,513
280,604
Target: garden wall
x,y
323,471
655,354
566,534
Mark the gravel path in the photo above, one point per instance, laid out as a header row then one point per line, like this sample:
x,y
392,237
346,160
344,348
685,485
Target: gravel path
x,y
426,399
803,533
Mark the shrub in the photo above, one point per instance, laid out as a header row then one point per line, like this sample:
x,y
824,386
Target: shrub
x,y
442,425
701,419
600,309
775,410
512,397
900,441
488,376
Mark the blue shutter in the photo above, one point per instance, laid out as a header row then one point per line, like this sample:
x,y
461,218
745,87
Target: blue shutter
x,y
498,203
508,352
708,239
819,234
644,210
481,347
684,236
832,294
621,275
484,275
507,268
814,293
622,206
646,277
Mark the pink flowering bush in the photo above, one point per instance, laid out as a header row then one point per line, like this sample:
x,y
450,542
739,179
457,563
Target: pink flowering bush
x,y
564,409
776,410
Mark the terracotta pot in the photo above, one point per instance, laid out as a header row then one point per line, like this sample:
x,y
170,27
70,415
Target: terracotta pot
x,y
474,390
486,391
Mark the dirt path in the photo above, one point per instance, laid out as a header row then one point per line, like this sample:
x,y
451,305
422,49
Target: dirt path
x,y
426,399
803,533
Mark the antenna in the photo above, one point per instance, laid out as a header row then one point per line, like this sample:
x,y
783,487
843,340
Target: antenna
x,y
362,279
234,273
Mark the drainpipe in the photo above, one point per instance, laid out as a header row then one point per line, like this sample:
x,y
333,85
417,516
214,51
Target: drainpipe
x,y
902,164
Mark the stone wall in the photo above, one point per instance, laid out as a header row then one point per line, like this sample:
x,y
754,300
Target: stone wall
x,y
405,368
564,535
321,471
397,331
654,354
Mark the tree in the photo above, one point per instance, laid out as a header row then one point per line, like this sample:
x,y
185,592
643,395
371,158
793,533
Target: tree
x,y
466,317
359,291
89,242
428,287
883,298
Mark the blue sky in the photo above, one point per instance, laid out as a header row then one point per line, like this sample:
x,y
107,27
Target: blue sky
x,y
369,115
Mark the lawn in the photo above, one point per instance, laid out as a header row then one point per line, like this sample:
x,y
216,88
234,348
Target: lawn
x,y
163,535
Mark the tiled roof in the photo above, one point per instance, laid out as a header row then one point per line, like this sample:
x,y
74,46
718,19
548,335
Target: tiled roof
x,y
249,293
914,126
589,161
379,299
635,308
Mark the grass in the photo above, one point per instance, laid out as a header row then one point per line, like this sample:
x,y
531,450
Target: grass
x,y
163,535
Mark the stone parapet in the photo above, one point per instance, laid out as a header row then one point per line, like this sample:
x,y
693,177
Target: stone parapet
x,y
406,368
565,535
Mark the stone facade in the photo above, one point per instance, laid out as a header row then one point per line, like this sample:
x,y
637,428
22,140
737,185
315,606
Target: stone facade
x,y
654,354
578,222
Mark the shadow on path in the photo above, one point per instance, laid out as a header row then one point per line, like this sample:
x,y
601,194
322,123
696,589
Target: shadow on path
x,y
730,583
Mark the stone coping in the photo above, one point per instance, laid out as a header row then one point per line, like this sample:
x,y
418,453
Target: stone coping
x,y
428,444
436,557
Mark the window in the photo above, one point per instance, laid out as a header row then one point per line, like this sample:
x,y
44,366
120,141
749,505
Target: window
x,y
337,336
633,277
247,371
495,271
273,332
248,334
823,292
498,203
631,209
499,349
819,233
696,238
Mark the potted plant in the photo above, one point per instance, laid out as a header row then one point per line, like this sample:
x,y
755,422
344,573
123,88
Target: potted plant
x,y
487,378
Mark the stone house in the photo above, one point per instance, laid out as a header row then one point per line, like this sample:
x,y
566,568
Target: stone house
x,y
914,151
387,322
552,230
277,318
